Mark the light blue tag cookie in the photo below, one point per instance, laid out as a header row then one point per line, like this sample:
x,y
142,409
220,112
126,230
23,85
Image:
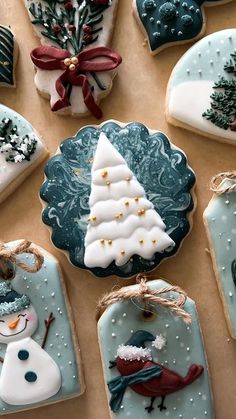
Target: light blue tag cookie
x,y
154,361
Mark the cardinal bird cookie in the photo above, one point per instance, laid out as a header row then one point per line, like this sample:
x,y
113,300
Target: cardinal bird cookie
x,y
219,220
118,198
8,57
40,361
21,150
166,23
74,67
201,90
152,355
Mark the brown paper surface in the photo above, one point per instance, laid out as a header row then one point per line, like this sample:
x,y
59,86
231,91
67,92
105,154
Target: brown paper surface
x,y
138,95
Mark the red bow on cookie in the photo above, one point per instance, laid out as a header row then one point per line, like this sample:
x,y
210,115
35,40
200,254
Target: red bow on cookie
x,y
75,71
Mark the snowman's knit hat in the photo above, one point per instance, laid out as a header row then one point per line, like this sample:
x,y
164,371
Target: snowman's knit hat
x,y
10,300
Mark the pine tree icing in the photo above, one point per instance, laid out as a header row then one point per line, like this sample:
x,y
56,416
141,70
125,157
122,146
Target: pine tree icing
x,y
223,101
122,221
17,148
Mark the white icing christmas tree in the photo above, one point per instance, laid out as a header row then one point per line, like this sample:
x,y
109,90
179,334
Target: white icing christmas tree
x,y
122,221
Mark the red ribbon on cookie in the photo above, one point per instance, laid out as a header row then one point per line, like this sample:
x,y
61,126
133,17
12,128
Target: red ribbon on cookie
x,y
75,69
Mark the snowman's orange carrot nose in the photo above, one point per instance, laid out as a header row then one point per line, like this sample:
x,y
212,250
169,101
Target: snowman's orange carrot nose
x,y
12,325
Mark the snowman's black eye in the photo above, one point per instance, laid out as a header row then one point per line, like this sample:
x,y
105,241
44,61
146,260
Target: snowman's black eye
x,y
21,315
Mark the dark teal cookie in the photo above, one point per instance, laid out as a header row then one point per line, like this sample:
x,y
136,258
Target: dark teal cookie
x,y
160,168
167,22
6,57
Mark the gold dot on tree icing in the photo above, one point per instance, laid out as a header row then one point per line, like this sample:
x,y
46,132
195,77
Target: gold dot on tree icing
x,y
89,219
90,161
94,218
104,173
76,172
102,241
128,179
136,198
141,211
108,183
127,203
141,241
122,252
154,241
110,242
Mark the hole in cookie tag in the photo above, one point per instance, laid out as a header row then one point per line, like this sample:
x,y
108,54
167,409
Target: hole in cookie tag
x,y
153,361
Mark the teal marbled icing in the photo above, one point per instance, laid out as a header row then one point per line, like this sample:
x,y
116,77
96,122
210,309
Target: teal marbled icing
x,y
220,216
206,59
161,169
170,21
46,295
6,56
184,347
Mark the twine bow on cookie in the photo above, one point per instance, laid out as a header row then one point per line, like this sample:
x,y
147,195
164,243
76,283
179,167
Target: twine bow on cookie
x,y
217,180
76,69
8,257
148,295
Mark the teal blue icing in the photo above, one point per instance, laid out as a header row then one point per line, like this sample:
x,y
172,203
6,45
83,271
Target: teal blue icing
x,y
161,169
46,295
184,348
170,21
206,59
6,56
221,220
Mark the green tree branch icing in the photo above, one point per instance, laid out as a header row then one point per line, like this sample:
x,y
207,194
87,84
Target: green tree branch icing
x,y
223,101
16,148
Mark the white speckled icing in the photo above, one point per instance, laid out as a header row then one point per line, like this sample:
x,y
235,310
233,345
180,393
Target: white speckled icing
x,y
220,219
9,171
130,232
184,347
45,80
47,294
192,80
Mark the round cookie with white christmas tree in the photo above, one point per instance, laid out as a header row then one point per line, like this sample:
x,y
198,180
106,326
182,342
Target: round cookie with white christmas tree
x,y
118,198
201,90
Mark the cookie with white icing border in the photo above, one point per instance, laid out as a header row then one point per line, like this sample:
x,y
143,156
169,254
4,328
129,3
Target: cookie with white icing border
x,y
118,198
21,150
8,57
154,363
168,23
200,93
40,358
74,67
219,220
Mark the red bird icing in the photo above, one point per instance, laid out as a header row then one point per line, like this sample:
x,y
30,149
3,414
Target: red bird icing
x,y
168,382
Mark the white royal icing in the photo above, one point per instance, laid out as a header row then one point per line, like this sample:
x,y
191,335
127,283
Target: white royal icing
x,y
120,212
133,353
14,388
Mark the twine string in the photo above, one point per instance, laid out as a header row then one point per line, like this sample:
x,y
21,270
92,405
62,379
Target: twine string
x,y
147,295
216,182
10,255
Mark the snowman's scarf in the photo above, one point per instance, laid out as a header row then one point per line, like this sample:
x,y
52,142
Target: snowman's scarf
x,y
118,385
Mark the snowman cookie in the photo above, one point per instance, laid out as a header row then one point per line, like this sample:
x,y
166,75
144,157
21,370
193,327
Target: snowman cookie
x,y
40,361
74,67
153,358
21,150
8,57
219,220
166,23
201,89
118,198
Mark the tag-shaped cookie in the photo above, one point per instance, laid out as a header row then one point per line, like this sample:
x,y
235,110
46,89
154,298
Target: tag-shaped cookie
x,y
21,150
206,72
166,23
8,57
219,220
75,67
153,359
119,198
40,362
